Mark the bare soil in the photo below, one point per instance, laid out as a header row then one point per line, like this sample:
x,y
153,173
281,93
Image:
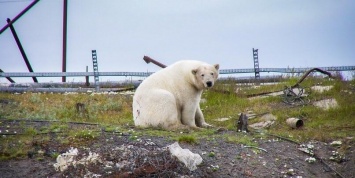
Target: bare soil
x,y
123,155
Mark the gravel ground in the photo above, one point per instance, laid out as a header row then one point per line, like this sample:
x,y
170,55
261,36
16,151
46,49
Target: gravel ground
x,y
120,155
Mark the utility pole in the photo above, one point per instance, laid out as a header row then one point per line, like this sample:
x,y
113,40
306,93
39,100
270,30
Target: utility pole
x,y
64,55
28,64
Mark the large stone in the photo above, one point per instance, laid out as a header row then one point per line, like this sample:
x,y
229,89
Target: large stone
x,y
266,121
191,160
321,89
326,104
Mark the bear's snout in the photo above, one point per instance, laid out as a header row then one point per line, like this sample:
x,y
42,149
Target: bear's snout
x,y
209,84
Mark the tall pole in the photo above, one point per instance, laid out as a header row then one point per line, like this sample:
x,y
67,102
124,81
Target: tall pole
x,y
256,63
19,15
87,83
256,66
8,78
64,63
21,49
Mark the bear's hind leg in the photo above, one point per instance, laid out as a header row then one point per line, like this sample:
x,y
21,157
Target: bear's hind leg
x,y
160,110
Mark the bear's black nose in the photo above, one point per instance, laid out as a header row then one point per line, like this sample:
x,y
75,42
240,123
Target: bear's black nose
x,y
209,84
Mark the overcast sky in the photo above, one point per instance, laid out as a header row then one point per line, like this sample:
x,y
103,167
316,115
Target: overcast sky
x,y
288,33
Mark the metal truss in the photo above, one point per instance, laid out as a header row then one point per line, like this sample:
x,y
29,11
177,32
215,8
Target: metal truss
x,y
144,74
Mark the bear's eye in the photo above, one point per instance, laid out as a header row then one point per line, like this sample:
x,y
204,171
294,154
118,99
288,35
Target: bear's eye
x,y
211,73
203,75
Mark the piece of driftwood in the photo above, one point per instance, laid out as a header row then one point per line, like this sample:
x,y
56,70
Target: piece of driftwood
x,y
80,108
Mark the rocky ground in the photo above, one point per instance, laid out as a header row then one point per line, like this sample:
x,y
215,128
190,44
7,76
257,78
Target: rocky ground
x,y
123,155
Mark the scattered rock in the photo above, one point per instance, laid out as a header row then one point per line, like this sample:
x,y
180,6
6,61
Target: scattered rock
x,y
127,93
222,119
268,117
266,121
326,104
347,91
307,148
321,89
250,114
310,160
336,143
278,93
337,157
261,125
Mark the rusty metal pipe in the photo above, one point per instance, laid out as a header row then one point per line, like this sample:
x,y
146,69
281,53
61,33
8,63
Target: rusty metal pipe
x,y
308,72
147,59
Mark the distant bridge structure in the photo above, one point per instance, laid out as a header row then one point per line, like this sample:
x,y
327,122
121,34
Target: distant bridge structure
x,y
145,74
286,70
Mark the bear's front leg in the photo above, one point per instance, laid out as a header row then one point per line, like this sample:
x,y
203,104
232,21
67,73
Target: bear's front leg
x,y
199,118
188,115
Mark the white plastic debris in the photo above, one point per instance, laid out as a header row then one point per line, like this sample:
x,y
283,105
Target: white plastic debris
x,y
191,160
92,158
336,143
310,159
69,158
307,148
65,159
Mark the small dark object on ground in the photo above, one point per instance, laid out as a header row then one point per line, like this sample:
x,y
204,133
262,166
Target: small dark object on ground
x,y
242,123
80,107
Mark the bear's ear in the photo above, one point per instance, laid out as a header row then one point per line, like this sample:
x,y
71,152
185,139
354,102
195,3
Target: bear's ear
x,y
194,71
216,66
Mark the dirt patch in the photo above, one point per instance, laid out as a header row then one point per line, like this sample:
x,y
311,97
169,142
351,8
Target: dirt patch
x,y
125,155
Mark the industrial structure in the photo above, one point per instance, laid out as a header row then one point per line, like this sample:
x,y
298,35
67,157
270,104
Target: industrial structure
x,y
256,64
96,69
27,61
144,74
96,73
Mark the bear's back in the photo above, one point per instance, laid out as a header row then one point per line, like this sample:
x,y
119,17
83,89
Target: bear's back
x,y
173,76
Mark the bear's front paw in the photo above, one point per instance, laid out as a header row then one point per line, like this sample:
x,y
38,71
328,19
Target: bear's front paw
x,y
205,125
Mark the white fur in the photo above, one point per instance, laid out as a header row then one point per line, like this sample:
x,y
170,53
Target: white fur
x,y
170,97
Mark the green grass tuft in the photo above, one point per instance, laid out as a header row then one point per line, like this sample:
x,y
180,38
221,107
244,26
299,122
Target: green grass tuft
x,y
190,139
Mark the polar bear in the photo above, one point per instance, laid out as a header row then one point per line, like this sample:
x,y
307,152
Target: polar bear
x,y
170,97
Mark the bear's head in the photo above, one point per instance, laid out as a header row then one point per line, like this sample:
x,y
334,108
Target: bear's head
x,y
205,76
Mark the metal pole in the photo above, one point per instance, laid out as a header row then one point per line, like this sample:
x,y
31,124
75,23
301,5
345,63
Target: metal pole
x,y
64,64
8,78
147,59
18,16
308,72
21,50
87,83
